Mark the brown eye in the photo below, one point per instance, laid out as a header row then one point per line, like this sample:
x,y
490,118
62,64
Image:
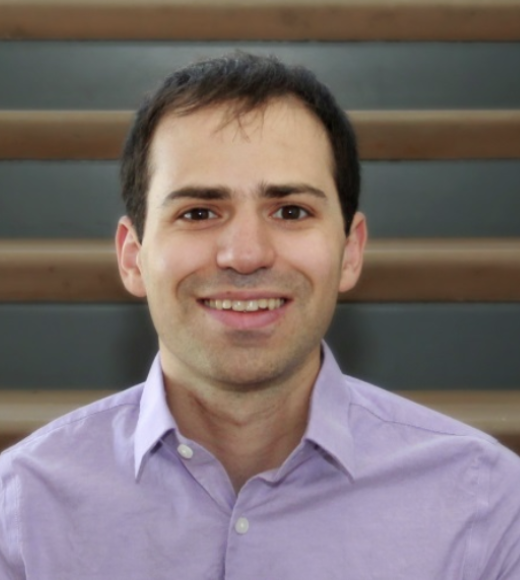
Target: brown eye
x,y
198,214
291,212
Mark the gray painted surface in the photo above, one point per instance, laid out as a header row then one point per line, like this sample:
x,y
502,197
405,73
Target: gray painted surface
x,y
112,75
59,199
74,346
401,199
430,346
442,199
442,346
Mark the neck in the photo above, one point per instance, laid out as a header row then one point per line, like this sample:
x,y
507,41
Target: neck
x,y
249,431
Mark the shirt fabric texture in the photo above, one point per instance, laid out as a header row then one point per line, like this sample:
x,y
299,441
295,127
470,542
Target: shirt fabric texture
x,y
379,488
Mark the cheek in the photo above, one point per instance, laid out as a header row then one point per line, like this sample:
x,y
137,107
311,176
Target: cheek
x,y
319,259
171,262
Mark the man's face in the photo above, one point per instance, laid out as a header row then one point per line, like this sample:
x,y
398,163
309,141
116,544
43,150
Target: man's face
x,y
244,248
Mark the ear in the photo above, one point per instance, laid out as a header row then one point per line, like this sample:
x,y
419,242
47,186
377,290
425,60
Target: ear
x,y
128,248
353,254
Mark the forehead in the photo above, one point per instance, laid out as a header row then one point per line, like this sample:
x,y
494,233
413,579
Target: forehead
x,y
282,140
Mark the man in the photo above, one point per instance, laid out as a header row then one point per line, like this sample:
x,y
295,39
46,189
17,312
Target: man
x,y
246,453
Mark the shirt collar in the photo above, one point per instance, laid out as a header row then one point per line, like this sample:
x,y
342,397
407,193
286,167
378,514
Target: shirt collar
x,y
328,415
155,418
328,425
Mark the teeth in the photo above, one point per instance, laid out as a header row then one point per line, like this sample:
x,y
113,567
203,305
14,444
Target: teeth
x,y
246,305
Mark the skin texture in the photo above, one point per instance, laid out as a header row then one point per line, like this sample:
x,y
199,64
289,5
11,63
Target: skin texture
x,y
241,209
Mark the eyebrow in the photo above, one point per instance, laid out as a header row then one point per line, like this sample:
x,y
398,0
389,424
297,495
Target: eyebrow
x,y
283,190
198,192
265,190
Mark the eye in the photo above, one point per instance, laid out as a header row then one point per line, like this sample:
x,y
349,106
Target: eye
x,y
199,214
291,212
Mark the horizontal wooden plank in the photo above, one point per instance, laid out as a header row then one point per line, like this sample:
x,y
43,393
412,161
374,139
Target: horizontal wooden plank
x,y
69,270
441,270
24,411
62,134
261,19
495,412
391,135
480,270
438,134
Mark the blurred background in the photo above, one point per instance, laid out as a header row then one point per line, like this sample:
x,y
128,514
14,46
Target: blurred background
x,y
433,89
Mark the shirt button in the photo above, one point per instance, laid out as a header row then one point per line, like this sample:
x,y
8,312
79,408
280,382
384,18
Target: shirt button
x,y
241,526
185,451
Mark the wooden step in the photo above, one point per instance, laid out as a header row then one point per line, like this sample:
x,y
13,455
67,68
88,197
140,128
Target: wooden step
x,y
436,270
398,135
59,270
496,412
440,270
261,19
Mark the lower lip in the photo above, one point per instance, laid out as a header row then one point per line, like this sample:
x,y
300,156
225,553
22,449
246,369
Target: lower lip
x,y
246,320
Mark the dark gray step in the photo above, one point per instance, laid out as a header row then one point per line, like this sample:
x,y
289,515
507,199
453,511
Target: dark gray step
x,y
371,75
58,199
448,346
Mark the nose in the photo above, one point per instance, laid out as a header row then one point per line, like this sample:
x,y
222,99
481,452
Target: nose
x,y
245,244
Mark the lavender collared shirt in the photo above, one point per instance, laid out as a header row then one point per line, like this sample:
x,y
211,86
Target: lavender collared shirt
x,y
379,488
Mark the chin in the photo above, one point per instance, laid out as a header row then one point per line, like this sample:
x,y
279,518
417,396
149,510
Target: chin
x,y
253,371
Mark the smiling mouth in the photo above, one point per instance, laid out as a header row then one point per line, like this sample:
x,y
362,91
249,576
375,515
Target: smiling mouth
x,y
246,305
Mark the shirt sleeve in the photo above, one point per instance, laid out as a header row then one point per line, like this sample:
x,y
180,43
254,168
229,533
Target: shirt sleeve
x,y
496,533
11,565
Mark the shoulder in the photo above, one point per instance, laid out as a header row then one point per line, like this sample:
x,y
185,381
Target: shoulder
x,y
463,471
64,465
386,425
388,428
402,414
83,427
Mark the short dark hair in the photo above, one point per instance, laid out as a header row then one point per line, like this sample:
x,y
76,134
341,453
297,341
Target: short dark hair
x,y
250,82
